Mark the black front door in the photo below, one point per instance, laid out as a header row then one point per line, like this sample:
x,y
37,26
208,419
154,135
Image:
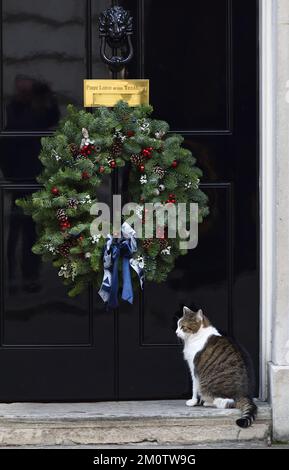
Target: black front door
x,y
201,59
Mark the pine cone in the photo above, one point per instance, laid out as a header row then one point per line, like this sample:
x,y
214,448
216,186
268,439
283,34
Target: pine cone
x,y
61,215
64,249
74,149
159,171
137,159
73,203
116,148
147,243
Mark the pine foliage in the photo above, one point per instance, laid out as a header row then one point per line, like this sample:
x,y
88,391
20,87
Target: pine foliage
x,y
74,171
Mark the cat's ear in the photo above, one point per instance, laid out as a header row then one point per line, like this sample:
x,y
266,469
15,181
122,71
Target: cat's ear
x,y
200,315
186,310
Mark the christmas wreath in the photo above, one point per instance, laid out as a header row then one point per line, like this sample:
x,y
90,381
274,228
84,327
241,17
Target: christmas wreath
x,y
86,147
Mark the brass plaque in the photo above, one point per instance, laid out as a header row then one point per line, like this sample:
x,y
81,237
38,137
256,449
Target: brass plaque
x,y
109,92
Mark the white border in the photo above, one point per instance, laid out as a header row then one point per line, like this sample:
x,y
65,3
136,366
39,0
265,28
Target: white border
x,y
267,151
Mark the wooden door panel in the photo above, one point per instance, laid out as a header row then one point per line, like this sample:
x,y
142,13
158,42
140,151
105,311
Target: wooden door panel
x,y
44,57
36,308
201,58
192,281
187,49
51,347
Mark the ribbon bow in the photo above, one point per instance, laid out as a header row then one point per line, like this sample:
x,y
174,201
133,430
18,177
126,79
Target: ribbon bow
x,y
123,248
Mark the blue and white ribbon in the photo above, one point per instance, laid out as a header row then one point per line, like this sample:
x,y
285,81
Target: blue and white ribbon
x,y
124,248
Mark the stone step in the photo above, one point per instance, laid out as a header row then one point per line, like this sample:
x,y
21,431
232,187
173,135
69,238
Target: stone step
x,y
124,423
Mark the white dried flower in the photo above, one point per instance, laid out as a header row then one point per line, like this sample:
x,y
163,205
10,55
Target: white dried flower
x,y
86,140
144,125
85,200
190,184
166,251
95,238
51,248
143,179
65,271
159,134
55,155
119,136
73,270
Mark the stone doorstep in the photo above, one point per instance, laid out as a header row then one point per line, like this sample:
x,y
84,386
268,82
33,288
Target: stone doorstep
x,y
159,422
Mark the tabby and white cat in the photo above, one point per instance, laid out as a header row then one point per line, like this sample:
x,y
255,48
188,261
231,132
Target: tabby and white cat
x,y
220,371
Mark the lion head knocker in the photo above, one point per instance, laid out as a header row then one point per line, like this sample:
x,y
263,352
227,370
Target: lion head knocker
x,y
115,30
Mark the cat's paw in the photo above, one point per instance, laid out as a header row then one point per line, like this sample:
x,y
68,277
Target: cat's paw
x,y
192,402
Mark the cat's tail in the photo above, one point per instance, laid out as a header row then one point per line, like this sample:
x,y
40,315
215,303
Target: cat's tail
x,y
248,410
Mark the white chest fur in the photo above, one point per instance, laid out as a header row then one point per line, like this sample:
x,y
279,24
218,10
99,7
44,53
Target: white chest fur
x,y
196,343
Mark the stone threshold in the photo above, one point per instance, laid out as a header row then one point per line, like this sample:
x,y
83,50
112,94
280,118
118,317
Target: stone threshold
x,y
124,423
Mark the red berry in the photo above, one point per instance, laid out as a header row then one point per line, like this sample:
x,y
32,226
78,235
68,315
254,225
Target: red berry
x,y
65,225
85,175
80,239
130,133
112,164
55,191
147,152
142,168
87,149
101,169
175,164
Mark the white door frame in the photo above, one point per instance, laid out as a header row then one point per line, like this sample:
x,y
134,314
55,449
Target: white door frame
x,y
266,184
